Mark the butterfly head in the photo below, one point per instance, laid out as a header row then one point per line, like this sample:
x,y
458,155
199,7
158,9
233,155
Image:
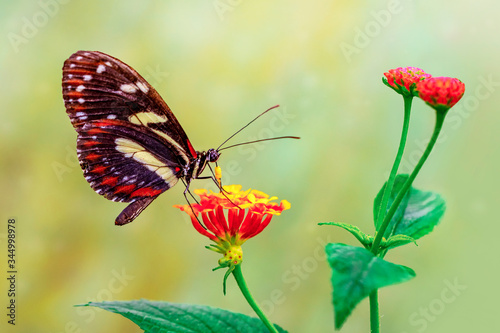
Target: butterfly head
x,y
212,155
198,165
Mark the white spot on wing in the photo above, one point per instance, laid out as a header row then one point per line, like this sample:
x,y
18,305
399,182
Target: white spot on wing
x,y
80,88
87,77
108,63
79,58
111,116
81,115
144,88
128,88
81,100
70,76
100,69
72,65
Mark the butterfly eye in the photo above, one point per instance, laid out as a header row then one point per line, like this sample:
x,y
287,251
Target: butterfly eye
x,y
212,155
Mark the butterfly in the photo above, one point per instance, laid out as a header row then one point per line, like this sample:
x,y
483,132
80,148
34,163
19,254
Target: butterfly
x,y
130,145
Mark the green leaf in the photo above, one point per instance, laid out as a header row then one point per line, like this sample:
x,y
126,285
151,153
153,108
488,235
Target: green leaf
x,y
398,183
417,215
397,240
356,272
363,238
163,317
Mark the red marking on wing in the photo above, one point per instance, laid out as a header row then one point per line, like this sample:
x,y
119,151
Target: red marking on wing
x,y
92,156
74,94
111,181
96,131
90,143
106,122
74,81
78,71
125,188
191,149
99,169
78,108
145,192
177,169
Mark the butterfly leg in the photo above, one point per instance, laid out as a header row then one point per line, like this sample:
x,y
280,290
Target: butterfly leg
x,y
217,181
189,203
188,191
221,189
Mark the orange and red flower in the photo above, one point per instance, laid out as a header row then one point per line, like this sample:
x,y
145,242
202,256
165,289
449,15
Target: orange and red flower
x,y
441,93
404,79
248,213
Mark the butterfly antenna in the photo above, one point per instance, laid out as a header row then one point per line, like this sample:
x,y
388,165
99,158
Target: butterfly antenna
x,y
268,139
241,129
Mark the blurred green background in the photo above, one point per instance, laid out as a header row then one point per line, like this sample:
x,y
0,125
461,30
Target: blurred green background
x,y
218,64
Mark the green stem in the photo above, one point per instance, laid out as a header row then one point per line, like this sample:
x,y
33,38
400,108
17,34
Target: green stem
x,y
374,315
374,311
440,115
392,177
238,275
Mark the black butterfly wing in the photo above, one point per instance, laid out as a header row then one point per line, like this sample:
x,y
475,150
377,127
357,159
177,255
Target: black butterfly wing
x,y
130,145
126,162
99,86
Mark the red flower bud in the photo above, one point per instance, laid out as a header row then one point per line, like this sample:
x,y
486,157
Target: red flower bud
x,y
404,79
441,93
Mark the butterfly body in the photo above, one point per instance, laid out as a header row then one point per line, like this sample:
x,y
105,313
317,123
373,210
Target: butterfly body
x,y
130,145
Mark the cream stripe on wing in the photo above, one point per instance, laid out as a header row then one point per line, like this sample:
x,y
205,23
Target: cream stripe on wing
x,y
180,150
145,118
134,150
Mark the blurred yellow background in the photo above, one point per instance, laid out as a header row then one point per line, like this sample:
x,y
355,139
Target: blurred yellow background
x,y
218,64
